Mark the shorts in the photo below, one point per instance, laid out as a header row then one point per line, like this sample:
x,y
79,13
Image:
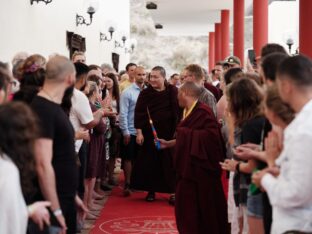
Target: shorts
x,y
255,205
114,143
129,152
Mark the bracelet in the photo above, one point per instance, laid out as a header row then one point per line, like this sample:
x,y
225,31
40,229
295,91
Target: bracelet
x,y
237,167
30,209
57,212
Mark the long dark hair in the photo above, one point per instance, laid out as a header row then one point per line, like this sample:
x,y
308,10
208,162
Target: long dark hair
x,y
116,93
18,131
67,100
244,100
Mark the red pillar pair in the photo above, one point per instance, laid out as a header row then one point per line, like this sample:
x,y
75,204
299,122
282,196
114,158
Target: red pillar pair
x,y
221,39
260,29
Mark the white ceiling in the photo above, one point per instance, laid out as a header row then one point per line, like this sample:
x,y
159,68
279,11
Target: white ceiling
x,y
190,17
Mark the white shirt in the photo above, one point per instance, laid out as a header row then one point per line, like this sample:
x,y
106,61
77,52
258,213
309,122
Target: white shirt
x,y
291,192
215,83
80,113
13,210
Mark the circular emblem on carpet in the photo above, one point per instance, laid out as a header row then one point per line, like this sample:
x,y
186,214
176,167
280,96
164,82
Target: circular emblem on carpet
x,y
140,225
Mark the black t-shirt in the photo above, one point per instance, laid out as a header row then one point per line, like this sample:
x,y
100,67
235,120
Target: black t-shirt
x,y
252,131
55,125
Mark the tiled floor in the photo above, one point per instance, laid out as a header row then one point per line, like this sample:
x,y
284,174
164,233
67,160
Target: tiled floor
x,y
89,223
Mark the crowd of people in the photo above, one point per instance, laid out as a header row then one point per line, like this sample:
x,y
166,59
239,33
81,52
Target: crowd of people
x,y
231,146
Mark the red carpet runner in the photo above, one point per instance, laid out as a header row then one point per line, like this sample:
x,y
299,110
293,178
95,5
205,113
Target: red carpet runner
x,y
133,215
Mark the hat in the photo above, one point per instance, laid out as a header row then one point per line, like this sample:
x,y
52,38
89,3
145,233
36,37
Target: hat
x,y
232,60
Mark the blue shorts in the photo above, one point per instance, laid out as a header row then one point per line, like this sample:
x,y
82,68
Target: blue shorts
x,y
255,205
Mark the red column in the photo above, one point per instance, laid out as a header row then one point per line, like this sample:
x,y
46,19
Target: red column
x,y
217,42
305,29
260,25
225,32
239,28
211,50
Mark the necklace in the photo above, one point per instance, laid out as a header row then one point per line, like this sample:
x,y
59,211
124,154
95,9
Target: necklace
x,y
50,97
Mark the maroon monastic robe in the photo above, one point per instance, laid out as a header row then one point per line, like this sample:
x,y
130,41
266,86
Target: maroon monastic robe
x,y
153,169
217,92
200,206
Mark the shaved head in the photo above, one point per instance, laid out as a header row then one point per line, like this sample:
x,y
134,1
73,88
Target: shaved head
x,y
58,68
140,74
191,89
139,69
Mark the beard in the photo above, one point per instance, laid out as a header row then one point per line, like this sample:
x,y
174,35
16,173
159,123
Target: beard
x,y
66,101
83,87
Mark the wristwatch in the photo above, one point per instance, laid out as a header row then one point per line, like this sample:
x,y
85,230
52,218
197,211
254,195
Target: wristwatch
x,y
57,212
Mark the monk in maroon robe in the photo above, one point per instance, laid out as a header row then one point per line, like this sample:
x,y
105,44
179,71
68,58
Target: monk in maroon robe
x,y
200,206
153,169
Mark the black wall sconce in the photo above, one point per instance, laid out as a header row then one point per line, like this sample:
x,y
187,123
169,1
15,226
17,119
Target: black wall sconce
x,y
80,20
130,51
290,43
103,37
45,1
119,45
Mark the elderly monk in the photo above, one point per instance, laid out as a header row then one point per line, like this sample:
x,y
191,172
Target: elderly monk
x,y
200,202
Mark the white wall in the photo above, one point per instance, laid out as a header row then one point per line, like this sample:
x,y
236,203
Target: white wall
x,y
284,22
41,28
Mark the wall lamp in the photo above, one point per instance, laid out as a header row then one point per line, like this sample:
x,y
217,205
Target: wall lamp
x,y
289,42
133,43
45,1
130,51
80,20
104,37
119,45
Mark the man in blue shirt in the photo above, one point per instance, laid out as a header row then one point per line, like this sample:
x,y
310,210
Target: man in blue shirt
x,y
128,101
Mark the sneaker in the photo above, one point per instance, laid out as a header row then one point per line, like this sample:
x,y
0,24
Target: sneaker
x,y
127,191
150,197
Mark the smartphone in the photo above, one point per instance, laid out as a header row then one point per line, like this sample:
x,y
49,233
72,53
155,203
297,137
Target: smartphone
x,y
54,229
252,56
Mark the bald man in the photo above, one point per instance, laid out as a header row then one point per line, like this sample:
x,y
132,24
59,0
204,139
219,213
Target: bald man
x,y
200,202
128,102
55,148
